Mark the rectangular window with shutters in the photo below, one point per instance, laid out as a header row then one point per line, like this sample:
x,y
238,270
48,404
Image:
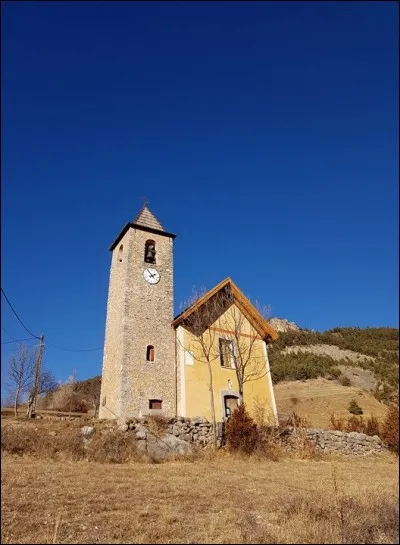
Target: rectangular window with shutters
x,y
226,353
155,404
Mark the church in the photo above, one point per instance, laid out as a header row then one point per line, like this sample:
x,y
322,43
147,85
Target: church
x,y
206,360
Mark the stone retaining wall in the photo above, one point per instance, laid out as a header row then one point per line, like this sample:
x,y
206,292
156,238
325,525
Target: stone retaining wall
x,y
333,441
198,431
193,430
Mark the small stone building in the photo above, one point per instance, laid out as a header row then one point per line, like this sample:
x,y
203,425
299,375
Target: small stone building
x,y
154,363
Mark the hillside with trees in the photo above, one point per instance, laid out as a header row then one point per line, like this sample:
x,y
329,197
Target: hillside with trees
x,y
304,354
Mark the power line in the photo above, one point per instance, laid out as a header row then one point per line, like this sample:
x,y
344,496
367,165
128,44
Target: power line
x,y
14,340
36,337
5,331
17,341
18,318
72,350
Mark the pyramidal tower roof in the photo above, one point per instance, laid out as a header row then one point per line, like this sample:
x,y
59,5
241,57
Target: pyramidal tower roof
x,y
145,221
148,219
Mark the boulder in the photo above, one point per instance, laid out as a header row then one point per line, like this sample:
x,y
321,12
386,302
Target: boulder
x,y
140,432
166,447
176,430
123,427
87,431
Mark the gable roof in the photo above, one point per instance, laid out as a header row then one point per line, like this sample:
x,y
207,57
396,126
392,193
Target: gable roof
x,y
259,323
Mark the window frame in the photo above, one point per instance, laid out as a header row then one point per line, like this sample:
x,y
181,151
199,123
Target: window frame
x,y
228,350
150,351
152,401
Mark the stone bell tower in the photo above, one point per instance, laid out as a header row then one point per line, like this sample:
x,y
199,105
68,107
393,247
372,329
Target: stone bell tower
x,y
138,375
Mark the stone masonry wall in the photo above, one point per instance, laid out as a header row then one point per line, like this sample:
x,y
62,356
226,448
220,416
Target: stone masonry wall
x,y
199,431
192,430
138,315
332,441
113,344
148,316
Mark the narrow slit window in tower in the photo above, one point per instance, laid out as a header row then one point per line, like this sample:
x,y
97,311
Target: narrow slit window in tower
x,y
150,353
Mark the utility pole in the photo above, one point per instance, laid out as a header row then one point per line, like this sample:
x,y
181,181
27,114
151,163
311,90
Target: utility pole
x,y
32,406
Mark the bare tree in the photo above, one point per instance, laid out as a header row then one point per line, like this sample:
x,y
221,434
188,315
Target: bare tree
x,y
21,373
47,383
243,345
21,376
203,341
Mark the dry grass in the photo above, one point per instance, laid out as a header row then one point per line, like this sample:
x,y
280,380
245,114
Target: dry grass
x,y
64,442
222,499
317,399
7,412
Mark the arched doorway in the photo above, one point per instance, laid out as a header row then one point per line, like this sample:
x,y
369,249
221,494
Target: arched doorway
x,y
231,402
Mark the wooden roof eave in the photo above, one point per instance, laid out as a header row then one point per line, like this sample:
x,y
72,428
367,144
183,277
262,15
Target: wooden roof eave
x,y
259,323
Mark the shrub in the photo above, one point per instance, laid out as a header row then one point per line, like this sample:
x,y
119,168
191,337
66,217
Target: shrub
x,y
390,428
354,407
372,427
344,381
337,423
295,421
268,444
335,372
241,432
355,423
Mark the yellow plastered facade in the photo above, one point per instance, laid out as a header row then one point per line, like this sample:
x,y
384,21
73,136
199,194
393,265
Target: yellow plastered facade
x,y
194,377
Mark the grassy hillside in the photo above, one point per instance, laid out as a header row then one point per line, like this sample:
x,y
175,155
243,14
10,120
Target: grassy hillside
x,y
316,400
380,344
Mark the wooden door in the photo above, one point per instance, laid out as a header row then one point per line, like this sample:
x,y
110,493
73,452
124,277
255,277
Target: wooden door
x,y
231,403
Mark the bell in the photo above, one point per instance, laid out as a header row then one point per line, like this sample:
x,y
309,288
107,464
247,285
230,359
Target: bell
x,y
150,253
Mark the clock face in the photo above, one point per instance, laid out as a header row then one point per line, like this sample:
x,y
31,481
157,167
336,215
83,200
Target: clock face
x,y
151,276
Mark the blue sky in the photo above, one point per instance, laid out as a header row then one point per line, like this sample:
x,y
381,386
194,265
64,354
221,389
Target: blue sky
x,y
264,134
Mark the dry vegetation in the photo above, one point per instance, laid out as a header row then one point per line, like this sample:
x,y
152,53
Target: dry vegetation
x,y
316,399
51,495
290,501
